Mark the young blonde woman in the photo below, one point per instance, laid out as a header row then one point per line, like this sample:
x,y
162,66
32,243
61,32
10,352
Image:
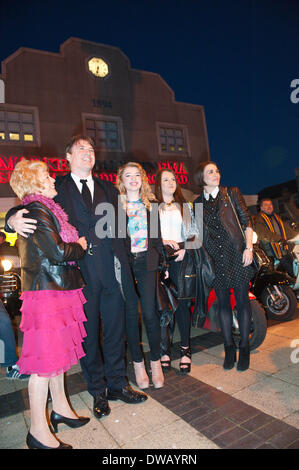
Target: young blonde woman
x,y
144,251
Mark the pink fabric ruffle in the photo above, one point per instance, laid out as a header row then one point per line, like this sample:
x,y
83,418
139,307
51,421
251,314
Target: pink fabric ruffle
x,y
52,322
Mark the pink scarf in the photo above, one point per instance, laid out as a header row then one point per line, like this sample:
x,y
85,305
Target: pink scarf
x,y
67,232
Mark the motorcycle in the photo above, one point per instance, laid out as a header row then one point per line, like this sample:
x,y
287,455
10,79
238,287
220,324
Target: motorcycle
x,y
292,249
274,288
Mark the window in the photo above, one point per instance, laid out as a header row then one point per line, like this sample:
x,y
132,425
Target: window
x,y
173,139
106,131
18,124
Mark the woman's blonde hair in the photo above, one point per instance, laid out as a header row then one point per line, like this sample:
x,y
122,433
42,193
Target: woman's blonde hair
x,y
146,194
25,179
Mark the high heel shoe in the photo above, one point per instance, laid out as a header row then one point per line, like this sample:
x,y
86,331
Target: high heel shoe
x,y
185,367
142,379
165,364
157,374
56,419
33,443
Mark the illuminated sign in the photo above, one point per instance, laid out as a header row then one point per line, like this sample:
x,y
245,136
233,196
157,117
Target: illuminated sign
x,y
60,166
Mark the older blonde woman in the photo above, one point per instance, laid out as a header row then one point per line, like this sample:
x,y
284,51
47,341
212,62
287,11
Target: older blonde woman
x,y
52,308
144,250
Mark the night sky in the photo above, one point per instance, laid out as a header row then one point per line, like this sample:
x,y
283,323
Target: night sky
x,y
237,58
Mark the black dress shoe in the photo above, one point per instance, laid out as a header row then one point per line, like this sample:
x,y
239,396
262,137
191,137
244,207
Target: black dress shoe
x,y
127,394
56,419
101,406
33,443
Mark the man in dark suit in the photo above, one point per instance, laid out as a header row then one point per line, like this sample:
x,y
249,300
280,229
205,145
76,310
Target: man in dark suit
x,y
79,194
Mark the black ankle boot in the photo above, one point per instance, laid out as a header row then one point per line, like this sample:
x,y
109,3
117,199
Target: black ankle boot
x,y
244,358
230,357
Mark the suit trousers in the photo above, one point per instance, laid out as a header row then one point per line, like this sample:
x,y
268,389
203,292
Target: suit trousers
x,y
103,367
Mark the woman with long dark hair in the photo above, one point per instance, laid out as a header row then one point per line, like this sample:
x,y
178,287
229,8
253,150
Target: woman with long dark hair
x,y
224,241
177,226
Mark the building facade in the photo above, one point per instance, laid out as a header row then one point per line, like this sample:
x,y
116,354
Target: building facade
x,y
91,88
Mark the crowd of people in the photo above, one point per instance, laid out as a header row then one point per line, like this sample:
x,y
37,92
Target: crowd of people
x,y
81,291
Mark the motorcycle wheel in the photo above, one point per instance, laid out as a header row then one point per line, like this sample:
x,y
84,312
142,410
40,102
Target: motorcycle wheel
x,y
258,325
280,308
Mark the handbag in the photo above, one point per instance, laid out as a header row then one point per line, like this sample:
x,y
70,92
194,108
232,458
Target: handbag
x,y
257,258
170,252
188,278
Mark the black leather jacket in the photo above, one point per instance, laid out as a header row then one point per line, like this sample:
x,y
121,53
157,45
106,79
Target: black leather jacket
x,y
45,257
228,217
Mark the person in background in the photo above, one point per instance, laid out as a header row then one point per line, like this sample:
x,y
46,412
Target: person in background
x,y
8,356
224,241
273,233
52,309
144,251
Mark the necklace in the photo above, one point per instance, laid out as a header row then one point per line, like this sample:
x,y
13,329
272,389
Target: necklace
x,y
168,204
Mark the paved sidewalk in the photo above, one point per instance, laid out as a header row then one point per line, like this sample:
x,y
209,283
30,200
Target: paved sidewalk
x,y
208,409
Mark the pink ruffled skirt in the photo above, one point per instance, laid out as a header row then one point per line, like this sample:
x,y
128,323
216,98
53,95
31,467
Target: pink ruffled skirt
x,y
52,323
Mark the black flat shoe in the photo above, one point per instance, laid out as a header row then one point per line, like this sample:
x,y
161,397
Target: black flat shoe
x,y
56,419
127,394
185,367
101,406
33,443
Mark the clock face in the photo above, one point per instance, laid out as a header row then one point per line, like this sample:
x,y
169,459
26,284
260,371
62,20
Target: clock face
x,y
98,67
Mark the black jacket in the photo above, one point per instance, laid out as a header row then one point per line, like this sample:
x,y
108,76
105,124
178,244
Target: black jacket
x,y
228,217
44,256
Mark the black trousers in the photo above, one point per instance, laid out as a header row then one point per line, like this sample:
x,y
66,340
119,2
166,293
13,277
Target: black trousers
x,y
226,317
146,287
182,316
105,305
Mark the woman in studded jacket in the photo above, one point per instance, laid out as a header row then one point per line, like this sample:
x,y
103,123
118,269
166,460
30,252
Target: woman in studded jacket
x,y
225,222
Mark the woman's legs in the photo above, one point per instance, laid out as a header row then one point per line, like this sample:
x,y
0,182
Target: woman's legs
x,y
244,313
59,399
225,315
38,394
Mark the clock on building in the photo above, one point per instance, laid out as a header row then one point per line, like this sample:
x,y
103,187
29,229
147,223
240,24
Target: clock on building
x,y
98,67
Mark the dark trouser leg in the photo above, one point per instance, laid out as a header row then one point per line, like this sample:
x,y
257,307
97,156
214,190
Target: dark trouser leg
x,y
147,290
113,324
92,363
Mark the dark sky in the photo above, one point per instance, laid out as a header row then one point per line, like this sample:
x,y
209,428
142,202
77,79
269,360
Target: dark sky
x,y
237,58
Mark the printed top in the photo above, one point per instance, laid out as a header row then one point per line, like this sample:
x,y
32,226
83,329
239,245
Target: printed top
x,y
137,225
